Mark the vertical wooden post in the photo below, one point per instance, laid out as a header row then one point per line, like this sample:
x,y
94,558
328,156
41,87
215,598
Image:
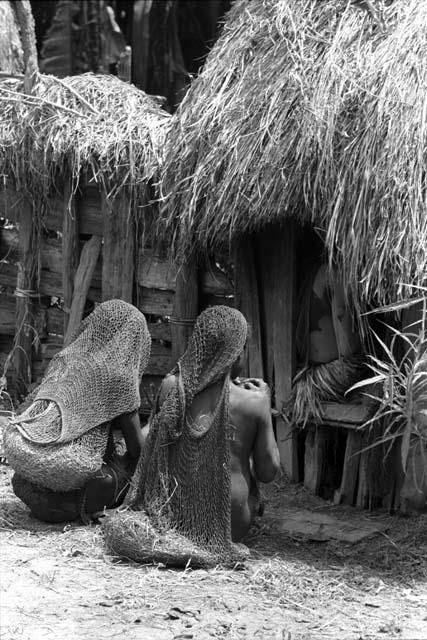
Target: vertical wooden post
x,y
70,250
140,42
314,458
28,38
277,264
118,256
247,301
363,492
27,229
185,308
27,266
82,280
350,468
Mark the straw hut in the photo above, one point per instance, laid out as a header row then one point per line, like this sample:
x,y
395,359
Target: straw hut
x,y
305,135
79,159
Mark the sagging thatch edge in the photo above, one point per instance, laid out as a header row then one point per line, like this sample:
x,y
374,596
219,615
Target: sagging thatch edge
x,y
93,124
290,117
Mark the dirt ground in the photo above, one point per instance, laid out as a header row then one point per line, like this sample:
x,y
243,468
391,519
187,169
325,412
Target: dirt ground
x,y
58,582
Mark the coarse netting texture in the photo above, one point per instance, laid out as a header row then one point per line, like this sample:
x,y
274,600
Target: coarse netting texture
x,y
182,487
59,467
60,440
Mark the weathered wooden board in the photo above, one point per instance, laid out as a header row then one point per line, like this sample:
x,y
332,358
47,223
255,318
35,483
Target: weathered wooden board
x,y
347,491
155,301
185,308
118,252
51,276
6,344
319,526
159,272
246,300
160,331
7,314
70,250
277,271
25,282
211,300
90,217
82,280
9,244
55,320
50,347
348,414
50,283
314,458
363,493
214,282
154,271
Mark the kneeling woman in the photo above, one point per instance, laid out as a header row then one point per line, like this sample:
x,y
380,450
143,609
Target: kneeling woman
x,y
62,446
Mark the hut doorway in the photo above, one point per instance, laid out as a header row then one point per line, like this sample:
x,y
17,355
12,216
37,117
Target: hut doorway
x,y
272,269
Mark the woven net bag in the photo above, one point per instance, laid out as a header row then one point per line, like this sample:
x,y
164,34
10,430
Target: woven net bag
x,y
59,441
178,510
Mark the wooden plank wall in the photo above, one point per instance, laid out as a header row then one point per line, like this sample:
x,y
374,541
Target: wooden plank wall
x,y
152,289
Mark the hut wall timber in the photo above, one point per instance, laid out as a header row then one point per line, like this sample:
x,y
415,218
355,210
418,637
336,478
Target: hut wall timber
x,y
122,267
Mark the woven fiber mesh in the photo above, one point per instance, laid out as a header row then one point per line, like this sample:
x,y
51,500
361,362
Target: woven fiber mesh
x,y
60,440
60,467
179,505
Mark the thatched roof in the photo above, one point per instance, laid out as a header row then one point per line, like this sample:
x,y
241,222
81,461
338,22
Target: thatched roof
x,y
314,109
93,123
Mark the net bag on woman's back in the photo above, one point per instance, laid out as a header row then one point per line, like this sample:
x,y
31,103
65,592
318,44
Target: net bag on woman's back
x,y
60,440
179,507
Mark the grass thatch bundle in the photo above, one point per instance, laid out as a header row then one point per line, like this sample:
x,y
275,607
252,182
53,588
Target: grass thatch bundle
x,y
321,382
131,535
93,123
313,109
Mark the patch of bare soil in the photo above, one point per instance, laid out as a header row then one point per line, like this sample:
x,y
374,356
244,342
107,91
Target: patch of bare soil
x,y
58,582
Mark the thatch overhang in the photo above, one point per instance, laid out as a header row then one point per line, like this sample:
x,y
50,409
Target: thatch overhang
x,y
86,125
315,110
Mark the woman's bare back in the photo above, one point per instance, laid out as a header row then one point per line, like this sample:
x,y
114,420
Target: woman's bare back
x,y
252,441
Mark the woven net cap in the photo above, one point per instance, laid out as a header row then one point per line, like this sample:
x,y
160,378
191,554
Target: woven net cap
x,y
179,505
59,441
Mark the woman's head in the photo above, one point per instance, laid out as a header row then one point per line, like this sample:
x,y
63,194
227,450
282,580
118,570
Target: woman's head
x,y
217,342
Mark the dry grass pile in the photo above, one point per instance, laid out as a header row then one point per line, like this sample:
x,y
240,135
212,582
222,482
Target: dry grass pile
x,y
315,110
87,123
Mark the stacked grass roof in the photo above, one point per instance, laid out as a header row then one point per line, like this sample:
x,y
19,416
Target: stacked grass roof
x,y
314,110
88,123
